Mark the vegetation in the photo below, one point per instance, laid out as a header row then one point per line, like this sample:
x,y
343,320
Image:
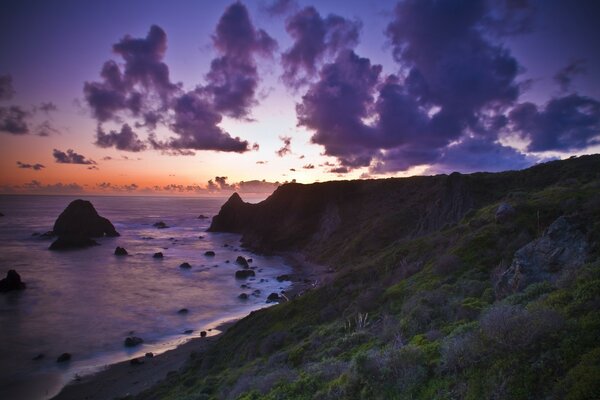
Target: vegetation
x,y
415,312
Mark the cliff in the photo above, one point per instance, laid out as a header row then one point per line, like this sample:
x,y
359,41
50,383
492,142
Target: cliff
x,y
337,221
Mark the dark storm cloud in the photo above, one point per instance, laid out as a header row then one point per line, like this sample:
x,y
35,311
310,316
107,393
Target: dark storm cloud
x,y
314,38
196,124
565,76
566,123
13,120
35,167
70,157
339,170
286,148
6,88
454,83
335,106
126,139
233,76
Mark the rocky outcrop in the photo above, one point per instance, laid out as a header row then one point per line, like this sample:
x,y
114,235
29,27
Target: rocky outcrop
x,y
242,261
504,212
561,247
77,224
11,282
120,251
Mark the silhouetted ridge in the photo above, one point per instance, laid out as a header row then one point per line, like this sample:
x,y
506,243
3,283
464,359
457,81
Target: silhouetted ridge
x,y
373,213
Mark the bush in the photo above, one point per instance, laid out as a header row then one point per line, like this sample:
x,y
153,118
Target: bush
x,y
582,382
510,327
460,352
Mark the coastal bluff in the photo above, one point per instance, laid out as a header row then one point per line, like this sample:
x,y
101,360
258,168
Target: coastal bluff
x,y
339,220
78,224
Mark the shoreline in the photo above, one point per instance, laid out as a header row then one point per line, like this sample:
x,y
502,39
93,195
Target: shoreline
x,y
125,379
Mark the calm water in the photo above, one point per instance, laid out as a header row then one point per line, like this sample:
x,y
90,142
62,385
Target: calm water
x,y
86,302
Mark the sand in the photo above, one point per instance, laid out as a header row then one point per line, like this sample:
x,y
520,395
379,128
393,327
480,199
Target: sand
x,y
122,379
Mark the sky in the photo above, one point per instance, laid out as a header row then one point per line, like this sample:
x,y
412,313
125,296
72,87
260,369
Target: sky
x,y
204,97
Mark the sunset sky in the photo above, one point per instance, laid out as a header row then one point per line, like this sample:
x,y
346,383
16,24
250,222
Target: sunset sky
x,y
163,97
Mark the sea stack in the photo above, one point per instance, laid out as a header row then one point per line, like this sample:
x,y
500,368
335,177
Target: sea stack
x,y
11,282
78,224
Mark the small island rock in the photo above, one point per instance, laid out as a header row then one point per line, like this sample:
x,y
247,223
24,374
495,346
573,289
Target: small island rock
x,y
209,253
11,282
242,261
185,265
120,251
158,255
244,273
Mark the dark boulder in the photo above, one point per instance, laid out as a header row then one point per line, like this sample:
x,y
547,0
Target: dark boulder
x,y
504,212
11,282
72,242
160,225
132,341
120,251
136,361
242,261
202,216
183,311
188,331
562,246
209,253
81,218
77,224
203,334
273,297
185,265
158,255
243,296
244,273
64,357
284,277
149,354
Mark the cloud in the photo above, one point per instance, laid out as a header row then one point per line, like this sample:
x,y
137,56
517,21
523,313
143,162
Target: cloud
x,y
565,123
61,188
262,162
6,88
286,148
126,139
455,83
35,167
564,77
308,166
233,77
13,120
107,186
70,157
279,7
143,91
339,170
315,38
47,107
196,123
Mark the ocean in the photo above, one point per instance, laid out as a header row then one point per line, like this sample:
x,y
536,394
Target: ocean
x,y
86,302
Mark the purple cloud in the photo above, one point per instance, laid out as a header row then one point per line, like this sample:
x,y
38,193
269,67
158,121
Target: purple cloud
x,y
286,148
13,120
70,157
565,76
566,123
35,167
315,38
126,139
280,7
6,88
196,123
233,77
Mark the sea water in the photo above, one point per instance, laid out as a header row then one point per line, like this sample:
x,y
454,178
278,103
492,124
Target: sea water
x,y
86,302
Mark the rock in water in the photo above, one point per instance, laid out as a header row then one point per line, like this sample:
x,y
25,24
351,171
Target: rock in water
x,y
273,297
209,253
185,265
160,225
64,357
77,224
158,255
244,273
242,261
11,282
132,341
120,251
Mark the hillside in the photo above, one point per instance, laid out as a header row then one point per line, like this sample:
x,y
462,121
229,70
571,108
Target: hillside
x,y
448,287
